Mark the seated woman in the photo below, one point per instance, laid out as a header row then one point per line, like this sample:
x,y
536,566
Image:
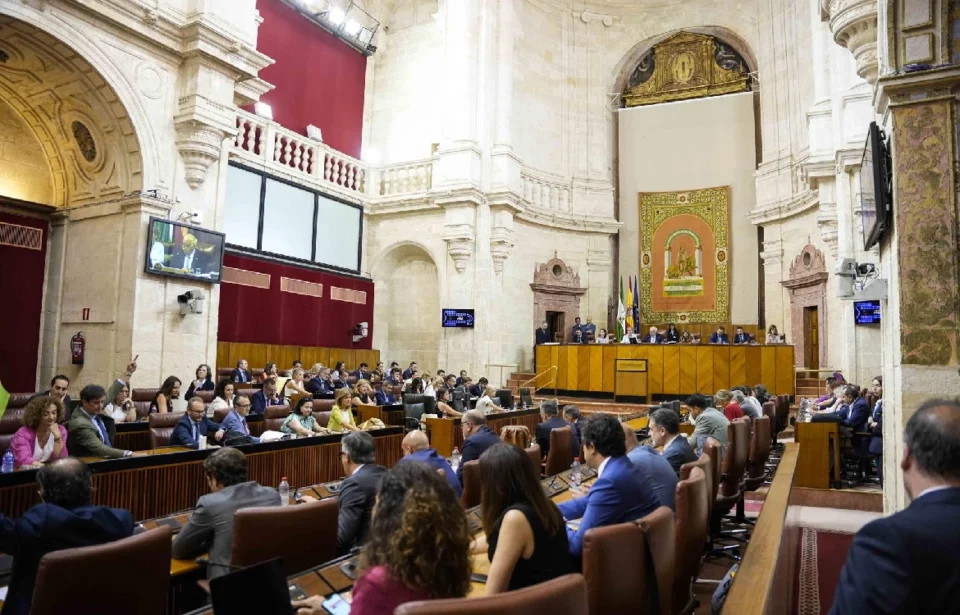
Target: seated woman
x,y
602,337
269,371
417,547
295,385
41,439
485,404
236,419
363,394
169,390
525,536
301,421
685,337
672,336
414,386
341,415
444,398
773,337
121,409
223,396
203,382
430,388
725,403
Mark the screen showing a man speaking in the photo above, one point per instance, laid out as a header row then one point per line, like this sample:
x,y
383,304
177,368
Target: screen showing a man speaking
x,y
185,251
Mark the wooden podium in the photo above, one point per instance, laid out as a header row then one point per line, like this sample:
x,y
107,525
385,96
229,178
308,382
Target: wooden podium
x,y
631,379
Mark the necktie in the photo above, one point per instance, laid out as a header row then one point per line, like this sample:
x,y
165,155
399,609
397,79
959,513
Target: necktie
x,y
102,429
196,431
243,421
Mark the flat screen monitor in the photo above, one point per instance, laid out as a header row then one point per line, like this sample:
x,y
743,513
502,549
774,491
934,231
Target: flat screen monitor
x,y
457,318
866,312
875,187
183,251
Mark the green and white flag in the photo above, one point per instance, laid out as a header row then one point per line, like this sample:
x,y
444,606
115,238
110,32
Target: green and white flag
x,y
4,399
621,314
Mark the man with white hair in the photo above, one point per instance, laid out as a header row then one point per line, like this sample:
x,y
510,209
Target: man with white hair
x,y
752,410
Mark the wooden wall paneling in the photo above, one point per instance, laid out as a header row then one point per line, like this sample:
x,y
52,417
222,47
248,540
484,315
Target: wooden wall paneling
x,y
309,355
688,368
768,367
561,363
705,370
609,368
276,353
655,375
555,361
323,356
785,370
542,363
671,370
721,368
752,365
573,366
738,365
223,356
584,365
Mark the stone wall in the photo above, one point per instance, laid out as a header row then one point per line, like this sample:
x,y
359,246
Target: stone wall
x,y
24,173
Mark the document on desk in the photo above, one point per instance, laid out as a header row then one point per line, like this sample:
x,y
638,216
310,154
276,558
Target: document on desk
x,y
3,594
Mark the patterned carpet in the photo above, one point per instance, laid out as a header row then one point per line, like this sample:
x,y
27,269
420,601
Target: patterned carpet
x,y
822,555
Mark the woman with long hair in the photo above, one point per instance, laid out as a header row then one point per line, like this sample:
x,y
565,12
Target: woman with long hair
x,y
444,408
363,394
203,382
169,390
42,438
269,371
341,415
672,334
526,538
223,396
295,385
121,409
301,420
773,337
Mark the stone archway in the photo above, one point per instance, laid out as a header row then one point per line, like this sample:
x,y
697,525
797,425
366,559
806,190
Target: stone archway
x,y
807,283
556,288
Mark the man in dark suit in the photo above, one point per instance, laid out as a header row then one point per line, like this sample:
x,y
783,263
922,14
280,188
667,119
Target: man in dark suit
x,y
477,438
64,520
739,337
408,373
416,447
577,332
653,337
188,258
463,374
854,409
210,529
58,389
363,372
395,378
194,424
241,374
267,396
657,469
571,414
320,383
358,491
621,492
552,420
720,336
907,562
543,335
475,390
664,426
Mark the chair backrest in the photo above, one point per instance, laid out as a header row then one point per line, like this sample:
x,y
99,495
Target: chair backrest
x,y
564,595
459,400
560,455
274,417
617,569
20,400
206,396
428,401
161,427
658,527
224,373
517,435
759,449
84,580
735,459
692,523
248,392
146,395
506,398
783,411
525,397
705,464
302,536
533,452
471,484
221,414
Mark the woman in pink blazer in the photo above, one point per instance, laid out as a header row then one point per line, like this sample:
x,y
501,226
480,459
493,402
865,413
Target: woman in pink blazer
x,y
42,438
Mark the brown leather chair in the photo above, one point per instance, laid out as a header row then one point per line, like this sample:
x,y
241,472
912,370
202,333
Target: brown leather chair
x,y
322,405
248,392
517,435
733,467
303,536
617,569
219,415
560,455
146,395
322,418
84,580
692,520
471,484
224,373
20,400
161,427
255,373
206,396
274,417
759,453
533,452
565,595
658,528
143,409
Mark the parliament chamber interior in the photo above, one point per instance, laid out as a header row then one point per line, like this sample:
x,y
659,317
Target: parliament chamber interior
x,y
554,307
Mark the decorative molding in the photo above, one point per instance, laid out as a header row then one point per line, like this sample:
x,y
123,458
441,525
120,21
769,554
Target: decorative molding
x,y
854,26
199,144
807,269
786,208
772,253
592,16
460,244
501,246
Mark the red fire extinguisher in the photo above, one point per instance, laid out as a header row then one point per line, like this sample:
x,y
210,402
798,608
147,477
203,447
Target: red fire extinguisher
x,y
77,346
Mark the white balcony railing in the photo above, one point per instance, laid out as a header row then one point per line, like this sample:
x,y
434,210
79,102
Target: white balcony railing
x,y
546,193
406,178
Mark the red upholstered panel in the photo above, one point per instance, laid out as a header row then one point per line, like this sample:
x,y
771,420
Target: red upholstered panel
x,y
21,278
261,316
319,79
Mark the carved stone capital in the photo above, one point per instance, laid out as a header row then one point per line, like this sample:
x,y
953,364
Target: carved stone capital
x,y
501,246
200,145
854,26
460,244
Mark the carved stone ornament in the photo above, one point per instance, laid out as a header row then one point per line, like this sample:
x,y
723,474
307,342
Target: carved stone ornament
x,y
807,269
808,289
199,145
501,245
459,238
854,26
556,288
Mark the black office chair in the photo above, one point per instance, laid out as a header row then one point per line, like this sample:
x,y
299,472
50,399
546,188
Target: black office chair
x,y
506,398
460,400
411,415
525,397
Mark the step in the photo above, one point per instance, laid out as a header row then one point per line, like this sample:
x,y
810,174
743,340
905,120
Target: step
x,y
808,392
809,382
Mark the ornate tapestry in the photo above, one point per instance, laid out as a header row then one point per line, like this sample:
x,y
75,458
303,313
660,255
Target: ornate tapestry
x,y
685,256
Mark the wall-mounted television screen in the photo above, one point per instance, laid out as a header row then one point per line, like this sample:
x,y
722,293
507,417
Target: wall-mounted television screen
x,y
184,251
457,318
866,312
876,196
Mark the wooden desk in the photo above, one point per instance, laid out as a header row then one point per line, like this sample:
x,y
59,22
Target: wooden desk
x,y
817,441
674,369
445,434
368,412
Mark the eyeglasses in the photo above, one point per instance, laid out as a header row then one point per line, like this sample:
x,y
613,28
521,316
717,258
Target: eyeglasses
x,y
241,405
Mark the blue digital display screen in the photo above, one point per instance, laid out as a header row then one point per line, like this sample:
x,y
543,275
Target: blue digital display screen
x,y
457,318
866,312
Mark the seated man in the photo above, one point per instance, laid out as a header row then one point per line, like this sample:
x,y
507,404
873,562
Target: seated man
x,y
394,379
854,409
319,382
416,447
89,431
739,337
241,374
708,421
210,529
653,337
363,372
571,414
551,420
664,426
267,396
58,389
477,438
751,405
621,492
384,395
720,337
358,492
907,562
658,470
66,519
463,376
476,390
408,373
193,424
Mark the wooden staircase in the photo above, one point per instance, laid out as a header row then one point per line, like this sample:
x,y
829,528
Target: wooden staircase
x,y
516,378
810,384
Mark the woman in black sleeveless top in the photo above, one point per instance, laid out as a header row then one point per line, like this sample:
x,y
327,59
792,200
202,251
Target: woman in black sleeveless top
x,y
525,531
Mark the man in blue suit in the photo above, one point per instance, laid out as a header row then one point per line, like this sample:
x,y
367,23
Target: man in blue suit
x,y
477,438
664,426
550,414
854,409
907,562
653,337
363,373
657,469
194,424
720,336
621,492
65,520
241,374
739,337
267,396
416,447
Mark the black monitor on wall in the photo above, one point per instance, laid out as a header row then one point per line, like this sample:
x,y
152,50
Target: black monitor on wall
x,y
876,194
183,251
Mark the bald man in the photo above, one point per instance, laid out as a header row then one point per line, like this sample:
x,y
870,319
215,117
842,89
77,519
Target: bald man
x,y
416,447
188,258
654,467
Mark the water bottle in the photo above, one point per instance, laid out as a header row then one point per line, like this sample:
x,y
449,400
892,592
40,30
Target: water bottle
x,y
619,417
7,467
575,474
284,492
455,459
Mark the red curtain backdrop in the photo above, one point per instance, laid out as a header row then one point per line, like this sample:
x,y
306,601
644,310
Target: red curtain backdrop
x,y
262,316
21,278
319,79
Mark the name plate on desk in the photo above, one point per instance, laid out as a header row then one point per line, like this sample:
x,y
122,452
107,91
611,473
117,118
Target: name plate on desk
x,y
631,365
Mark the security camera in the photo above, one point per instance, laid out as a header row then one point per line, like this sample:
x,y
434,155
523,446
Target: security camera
x,y
360,331
846,273
191,302
196,217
